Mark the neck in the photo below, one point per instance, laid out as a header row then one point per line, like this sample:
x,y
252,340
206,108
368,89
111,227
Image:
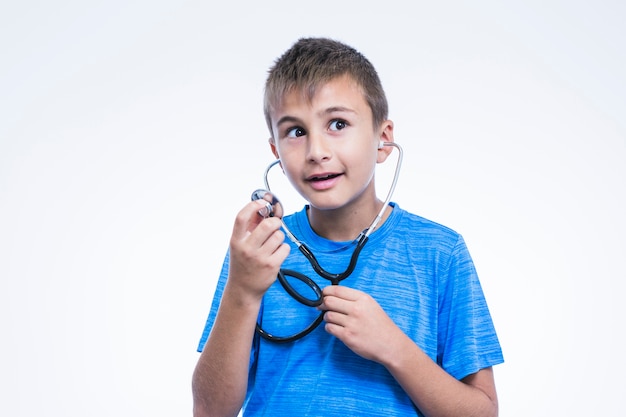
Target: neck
x,y
345,223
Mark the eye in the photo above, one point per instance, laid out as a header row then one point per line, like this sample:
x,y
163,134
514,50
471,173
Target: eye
x,y
338,124
295,132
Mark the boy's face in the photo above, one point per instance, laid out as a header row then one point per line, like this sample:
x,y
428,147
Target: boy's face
x,y
328,146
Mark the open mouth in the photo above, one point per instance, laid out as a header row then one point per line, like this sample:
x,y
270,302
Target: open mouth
x,y
322,177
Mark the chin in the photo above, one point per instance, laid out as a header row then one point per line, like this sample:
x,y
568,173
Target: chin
x,y
325,204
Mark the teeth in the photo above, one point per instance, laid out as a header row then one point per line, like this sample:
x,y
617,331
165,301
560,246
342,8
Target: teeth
x,y
323,178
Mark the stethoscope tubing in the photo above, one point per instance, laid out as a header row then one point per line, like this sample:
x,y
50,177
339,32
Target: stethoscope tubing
x,y
334,278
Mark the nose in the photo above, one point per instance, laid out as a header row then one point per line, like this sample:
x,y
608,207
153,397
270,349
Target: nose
x,y
318,149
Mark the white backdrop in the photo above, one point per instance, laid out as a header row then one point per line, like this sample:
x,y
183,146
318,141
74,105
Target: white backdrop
x,y
131,132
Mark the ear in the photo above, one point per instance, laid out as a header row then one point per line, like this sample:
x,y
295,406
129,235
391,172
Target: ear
x,y
273,147
386,135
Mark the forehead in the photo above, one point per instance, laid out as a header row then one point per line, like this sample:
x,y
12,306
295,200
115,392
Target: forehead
x,y
342,91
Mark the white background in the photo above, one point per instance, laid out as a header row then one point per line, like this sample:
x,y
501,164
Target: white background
x,y
131,132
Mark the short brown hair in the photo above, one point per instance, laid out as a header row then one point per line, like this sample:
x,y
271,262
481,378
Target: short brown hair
x,y
311,62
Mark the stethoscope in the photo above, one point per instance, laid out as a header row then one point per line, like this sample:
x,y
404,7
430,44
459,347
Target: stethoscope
x,y
273,208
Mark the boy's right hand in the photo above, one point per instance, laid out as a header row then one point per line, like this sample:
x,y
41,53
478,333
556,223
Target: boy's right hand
x,y
257,250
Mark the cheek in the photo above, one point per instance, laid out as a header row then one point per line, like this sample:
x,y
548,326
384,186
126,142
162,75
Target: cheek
x,y
369,158
292,173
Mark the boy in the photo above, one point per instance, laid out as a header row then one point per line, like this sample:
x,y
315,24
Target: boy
x,y
407,333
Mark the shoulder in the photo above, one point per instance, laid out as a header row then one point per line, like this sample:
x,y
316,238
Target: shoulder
x,y
414,227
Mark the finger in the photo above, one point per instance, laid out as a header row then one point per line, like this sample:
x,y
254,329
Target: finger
x,y
336,318
338,300
275,242
248,219
267,234
343,292
335,330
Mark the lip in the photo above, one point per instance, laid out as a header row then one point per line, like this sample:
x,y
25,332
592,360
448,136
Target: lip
x,y
324,180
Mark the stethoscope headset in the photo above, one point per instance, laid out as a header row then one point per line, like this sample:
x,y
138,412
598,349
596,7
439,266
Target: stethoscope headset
x,y
273,208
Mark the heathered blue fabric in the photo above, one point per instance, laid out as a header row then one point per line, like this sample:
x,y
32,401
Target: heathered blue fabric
x,y
421,274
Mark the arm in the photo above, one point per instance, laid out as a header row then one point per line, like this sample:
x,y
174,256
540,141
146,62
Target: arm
x,y
434,391
358,321
257,250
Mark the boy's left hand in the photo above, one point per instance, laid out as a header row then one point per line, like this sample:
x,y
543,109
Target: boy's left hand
x,y
356,319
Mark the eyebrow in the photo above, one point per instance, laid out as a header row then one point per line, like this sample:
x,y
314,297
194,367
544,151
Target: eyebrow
x,y
337,109
329,110
287,119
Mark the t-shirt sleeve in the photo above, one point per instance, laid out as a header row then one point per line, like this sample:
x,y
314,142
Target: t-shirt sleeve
x,y
217,297
467,338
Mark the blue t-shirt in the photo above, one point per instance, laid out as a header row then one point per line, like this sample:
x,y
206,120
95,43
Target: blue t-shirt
x,y
420,273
